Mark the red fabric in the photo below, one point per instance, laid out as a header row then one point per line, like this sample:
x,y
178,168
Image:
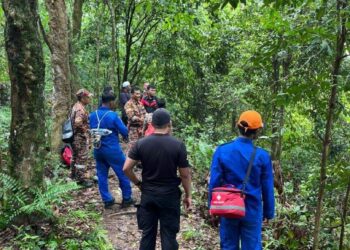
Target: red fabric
x,y
67,155
227,202
150,129
153,103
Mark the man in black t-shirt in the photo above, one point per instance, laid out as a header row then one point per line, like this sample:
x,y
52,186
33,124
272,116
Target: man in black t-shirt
x,y
161,156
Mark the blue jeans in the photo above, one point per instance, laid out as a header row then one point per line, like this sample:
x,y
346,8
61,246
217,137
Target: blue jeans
x,y
105,160
234,231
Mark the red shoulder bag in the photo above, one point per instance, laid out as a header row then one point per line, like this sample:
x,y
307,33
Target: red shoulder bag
x,y
228,201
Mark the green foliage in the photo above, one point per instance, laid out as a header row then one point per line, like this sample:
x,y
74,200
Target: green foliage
x,y
211,60
5,118
27,239
17,202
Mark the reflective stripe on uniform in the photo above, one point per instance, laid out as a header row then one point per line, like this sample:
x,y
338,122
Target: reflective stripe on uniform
x,y
227,208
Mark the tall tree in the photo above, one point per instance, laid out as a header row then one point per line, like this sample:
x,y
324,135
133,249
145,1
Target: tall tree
x,y
27,74
138,27
73,38
339,56
113,43
77,17
59,44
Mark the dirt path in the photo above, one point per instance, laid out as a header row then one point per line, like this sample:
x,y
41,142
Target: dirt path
x,y
122,227
124,234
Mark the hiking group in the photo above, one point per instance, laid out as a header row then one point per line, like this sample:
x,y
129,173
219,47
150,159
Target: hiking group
x,y
241,193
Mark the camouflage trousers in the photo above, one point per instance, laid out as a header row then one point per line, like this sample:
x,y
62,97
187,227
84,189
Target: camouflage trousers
x,y
135,133
81,167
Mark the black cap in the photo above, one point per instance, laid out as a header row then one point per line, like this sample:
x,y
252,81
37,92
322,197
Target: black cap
x,y
160,117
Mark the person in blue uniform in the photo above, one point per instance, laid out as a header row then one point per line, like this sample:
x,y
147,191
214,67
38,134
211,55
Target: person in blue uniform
x,y
229,166
107,151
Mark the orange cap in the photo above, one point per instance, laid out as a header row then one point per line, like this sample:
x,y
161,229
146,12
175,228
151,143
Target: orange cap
x,y
252,118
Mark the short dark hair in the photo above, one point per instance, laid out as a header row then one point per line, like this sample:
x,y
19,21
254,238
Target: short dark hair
x,y
133,89
243,130
161,103
161,127
108,97
151,87
107,89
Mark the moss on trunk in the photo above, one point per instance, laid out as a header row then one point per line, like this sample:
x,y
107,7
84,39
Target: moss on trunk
x,y
27,74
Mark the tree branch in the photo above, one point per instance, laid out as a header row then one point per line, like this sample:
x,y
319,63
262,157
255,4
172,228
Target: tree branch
x,y
43,33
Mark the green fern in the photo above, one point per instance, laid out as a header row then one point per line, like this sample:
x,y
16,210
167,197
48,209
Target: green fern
x,y
44,200
12,197
16,201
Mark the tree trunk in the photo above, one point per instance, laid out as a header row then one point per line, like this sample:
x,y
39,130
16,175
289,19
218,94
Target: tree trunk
x,y
73,38
128,38
275,91
343,220
277,125
77,16
58,40
114,46
97,72
341,38
27,74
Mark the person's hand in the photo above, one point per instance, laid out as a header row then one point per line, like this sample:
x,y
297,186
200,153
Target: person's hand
x,y
214,220
187,201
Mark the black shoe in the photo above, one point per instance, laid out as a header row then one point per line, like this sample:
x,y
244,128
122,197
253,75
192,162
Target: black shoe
x,y
109,204
86,184
128,203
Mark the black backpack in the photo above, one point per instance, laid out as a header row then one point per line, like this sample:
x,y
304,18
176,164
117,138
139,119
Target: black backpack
x,y
67,130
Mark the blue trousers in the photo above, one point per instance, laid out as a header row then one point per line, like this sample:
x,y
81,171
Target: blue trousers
x,y
235,231
105,160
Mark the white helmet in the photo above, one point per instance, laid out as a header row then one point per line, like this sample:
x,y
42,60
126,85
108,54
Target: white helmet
x,y
126,84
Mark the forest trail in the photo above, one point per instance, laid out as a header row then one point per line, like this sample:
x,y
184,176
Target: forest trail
x,y
122,229
121,224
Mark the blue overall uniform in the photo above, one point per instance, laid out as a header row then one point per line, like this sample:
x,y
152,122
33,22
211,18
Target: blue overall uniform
x,y
110,153
229,166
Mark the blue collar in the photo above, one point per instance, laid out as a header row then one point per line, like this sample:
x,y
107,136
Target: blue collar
x,y
244,140
104,108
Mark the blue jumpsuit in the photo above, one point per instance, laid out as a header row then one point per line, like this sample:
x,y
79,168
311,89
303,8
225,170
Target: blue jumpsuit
x,y
110,153
229,166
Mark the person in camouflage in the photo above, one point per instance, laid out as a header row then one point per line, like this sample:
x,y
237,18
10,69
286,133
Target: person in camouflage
x,y
81,143
136,115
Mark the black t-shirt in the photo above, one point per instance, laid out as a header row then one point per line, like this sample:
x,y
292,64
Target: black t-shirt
x,y
160,156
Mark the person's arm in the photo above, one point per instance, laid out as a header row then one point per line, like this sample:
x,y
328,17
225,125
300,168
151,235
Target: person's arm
x,y
123,99
131,161
215,174
267,188
144,102
185,175
79,117
120,126
130,112
128,170
186,180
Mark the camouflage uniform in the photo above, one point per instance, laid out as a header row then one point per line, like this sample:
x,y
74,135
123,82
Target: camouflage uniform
x,y
134,109
81,143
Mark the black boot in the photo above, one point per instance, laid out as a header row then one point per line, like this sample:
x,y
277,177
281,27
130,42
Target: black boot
x,y
109,204
128,203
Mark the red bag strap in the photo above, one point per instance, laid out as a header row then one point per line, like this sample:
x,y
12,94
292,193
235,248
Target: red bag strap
x,y
246,178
